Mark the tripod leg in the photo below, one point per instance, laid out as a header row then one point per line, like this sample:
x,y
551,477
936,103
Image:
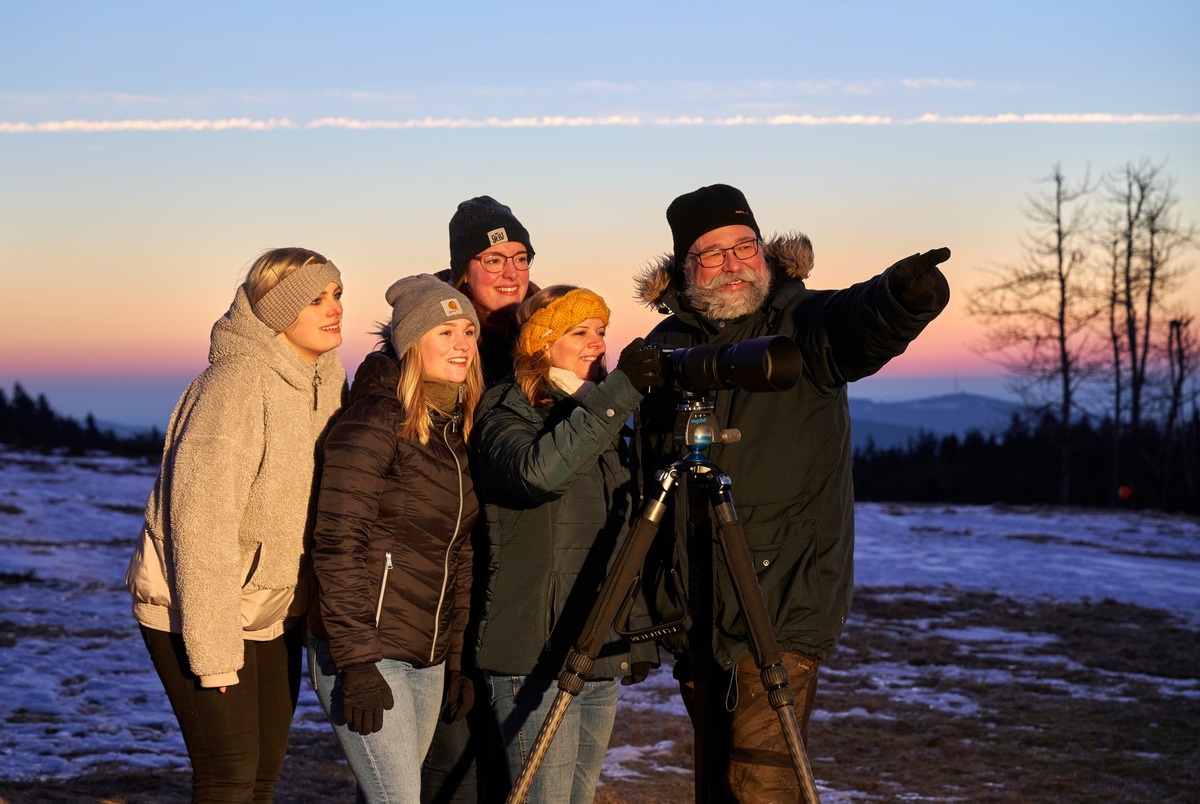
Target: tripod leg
x,y
620,584
762,638
706,686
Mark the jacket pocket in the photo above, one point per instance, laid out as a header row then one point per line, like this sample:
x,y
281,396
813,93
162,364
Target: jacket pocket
x,y
784,558
383,579
551,610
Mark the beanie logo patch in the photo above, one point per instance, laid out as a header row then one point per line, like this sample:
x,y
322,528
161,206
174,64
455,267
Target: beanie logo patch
x,y
497,236
451,307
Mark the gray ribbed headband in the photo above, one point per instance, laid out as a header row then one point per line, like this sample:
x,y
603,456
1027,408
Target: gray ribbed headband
x,y
281,305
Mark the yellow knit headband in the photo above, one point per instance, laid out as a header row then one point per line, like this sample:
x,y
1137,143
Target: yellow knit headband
x,y
550,322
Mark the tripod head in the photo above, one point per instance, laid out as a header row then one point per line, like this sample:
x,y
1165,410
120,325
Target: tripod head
x,y
766,363
697,428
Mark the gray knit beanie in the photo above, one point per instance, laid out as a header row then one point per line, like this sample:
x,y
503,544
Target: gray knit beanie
x,y
281,305
420,303
478,224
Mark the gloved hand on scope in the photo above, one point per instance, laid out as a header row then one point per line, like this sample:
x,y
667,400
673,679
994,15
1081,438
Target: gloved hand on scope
x,y
643,367
915,283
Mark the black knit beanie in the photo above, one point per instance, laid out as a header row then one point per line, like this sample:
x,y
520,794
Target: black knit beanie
x,y
696,213
478,224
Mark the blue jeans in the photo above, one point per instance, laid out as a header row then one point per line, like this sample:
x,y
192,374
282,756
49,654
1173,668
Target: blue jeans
x,y
571,768
386,764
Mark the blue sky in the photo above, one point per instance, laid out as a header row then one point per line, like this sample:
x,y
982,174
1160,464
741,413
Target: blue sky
x,y
149,151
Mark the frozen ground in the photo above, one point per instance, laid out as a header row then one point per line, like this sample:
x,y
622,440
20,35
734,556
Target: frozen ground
x,y
79,689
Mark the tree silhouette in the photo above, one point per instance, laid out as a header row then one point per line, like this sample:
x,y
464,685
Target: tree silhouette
x,y
1145,237
1039,311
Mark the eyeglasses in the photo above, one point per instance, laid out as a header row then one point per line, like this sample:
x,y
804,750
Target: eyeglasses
x,y
493,263
715,257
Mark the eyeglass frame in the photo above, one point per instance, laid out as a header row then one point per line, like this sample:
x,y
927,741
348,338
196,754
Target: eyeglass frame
x,y
698,255
527,255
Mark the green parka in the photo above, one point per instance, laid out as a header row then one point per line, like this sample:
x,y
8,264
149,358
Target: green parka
x,y
790,472
559,496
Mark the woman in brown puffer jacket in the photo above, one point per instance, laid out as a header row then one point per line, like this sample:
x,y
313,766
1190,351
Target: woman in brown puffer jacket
x,y
392,538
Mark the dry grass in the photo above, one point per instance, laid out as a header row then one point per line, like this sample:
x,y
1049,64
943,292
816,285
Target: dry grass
x,y
1042,702
1072,710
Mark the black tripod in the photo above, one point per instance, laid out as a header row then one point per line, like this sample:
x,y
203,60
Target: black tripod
x,y
697,429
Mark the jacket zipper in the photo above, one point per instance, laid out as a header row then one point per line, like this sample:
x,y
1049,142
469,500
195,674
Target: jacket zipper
x,y
316,384
437,618
387,567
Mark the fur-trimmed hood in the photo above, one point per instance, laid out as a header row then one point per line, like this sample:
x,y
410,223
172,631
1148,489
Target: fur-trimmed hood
x,y
789,256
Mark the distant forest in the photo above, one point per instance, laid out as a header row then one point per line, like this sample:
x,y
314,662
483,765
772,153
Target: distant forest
x,y
1018,466
1021,466
30,424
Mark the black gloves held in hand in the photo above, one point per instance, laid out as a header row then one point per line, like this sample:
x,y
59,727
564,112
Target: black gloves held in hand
x,y
915,283
460,697
365,694
643,367
637,673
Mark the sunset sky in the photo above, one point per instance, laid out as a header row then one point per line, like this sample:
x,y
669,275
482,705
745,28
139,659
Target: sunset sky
x,y
149,151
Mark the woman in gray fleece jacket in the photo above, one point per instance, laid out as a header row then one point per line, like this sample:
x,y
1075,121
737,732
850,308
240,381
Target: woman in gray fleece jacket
x,y
221,577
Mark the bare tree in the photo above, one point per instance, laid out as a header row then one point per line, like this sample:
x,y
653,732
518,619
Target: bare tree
x,y
1145,236
1115,343
1039,311
1181,354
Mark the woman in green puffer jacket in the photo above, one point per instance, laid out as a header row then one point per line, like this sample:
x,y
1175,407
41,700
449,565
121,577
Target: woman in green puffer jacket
x,y
554,474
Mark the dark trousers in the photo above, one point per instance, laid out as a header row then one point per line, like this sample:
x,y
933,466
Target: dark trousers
x,y
741,755
449,775
465,763
236,740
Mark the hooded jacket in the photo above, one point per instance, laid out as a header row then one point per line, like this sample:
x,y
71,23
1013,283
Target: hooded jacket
x,y
790,472
223,554
392,546
559,497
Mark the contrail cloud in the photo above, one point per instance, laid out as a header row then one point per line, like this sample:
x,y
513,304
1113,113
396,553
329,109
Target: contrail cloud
x,y
105,126
1055,119
569,121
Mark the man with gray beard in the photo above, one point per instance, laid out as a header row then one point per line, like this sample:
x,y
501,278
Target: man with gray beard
x,y
723,283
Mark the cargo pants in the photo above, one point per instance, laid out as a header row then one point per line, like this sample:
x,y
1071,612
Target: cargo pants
x,y
741,753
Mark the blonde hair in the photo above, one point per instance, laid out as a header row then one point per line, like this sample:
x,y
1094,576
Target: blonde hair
x,y
531,367
270,268
418,423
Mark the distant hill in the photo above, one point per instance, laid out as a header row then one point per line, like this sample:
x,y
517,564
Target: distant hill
x,y
127,431
894,423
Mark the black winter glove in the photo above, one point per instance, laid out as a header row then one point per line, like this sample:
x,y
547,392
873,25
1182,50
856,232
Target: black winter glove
x,y
915,283
637,673
643,367
365,694
460,697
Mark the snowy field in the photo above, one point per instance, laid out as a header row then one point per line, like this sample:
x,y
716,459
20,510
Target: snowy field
x,y
79,689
